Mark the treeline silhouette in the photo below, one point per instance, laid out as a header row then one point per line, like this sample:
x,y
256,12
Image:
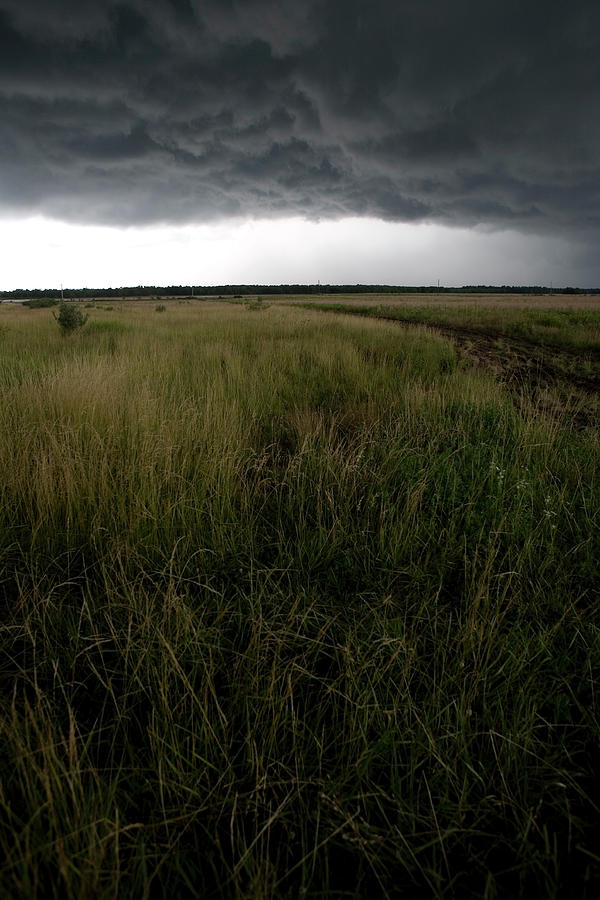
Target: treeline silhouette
x,y
242,290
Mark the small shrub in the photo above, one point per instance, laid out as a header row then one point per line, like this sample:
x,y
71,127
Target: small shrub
x,y
160,308
70,318
40,302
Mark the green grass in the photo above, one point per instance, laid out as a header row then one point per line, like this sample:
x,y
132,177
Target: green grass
x,y
566,328
293,604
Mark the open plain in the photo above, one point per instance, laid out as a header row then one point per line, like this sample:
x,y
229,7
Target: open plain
x,y
300,601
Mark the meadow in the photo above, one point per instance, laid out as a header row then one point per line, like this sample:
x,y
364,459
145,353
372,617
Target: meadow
x,y
554,322
294,604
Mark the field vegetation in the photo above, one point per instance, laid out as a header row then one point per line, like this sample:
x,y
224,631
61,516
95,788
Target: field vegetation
x,y
294,604
567,327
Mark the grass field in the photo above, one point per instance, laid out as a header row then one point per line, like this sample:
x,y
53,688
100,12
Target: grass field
x,y
557,324
294,604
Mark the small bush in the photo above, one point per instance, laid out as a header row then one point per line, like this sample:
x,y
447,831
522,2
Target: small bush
x,y
40,302
160,308
70,318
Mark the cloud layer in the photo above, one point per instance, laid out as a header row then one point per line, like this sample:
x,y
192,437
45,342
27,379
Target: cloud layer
x,y
181,111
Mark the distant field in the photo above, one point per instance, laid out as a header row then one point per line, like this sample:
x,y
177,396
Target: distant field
x,y
491,301
295,603
556,324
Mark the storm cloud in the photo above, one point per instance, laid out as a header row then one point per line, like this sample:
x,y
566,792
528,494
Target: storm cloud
x,y
182,111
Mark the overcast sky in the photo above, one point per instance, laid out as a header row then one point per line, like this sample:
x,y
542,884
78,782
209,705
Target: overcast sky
x,y
392,141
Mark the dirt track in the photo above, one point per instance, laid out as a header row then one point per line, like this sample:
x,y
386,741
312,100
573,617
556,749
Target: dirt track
x,y
548,376
561,380
522,360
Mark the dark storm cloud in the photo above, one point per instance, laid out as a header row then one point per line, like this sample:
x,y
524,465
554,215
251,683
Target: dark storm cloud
x,y
180,110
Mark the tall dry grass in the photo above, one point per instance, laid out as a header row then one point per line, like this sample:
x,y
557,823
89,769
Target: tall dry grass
x,y
292,604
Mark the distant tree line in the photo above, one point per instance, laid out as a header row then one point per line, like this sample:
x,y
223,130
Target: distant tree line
x,y
240,290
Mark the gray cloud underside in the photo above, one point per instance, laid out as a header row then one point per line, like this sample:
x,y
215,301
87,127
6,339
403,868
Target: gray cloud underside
x,y
458,112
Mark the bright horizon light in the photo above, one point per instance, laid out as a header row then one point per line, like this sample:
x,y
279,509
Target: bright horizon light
x,y
44,253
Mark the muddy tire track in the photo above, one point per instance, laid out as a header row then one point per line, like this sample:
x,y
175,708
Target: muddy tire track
x,y
517,360
544,374
530,371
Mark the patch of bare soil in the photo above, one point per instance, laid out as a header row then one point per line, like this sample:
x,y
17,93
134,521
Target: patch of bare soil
x,y
559,380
